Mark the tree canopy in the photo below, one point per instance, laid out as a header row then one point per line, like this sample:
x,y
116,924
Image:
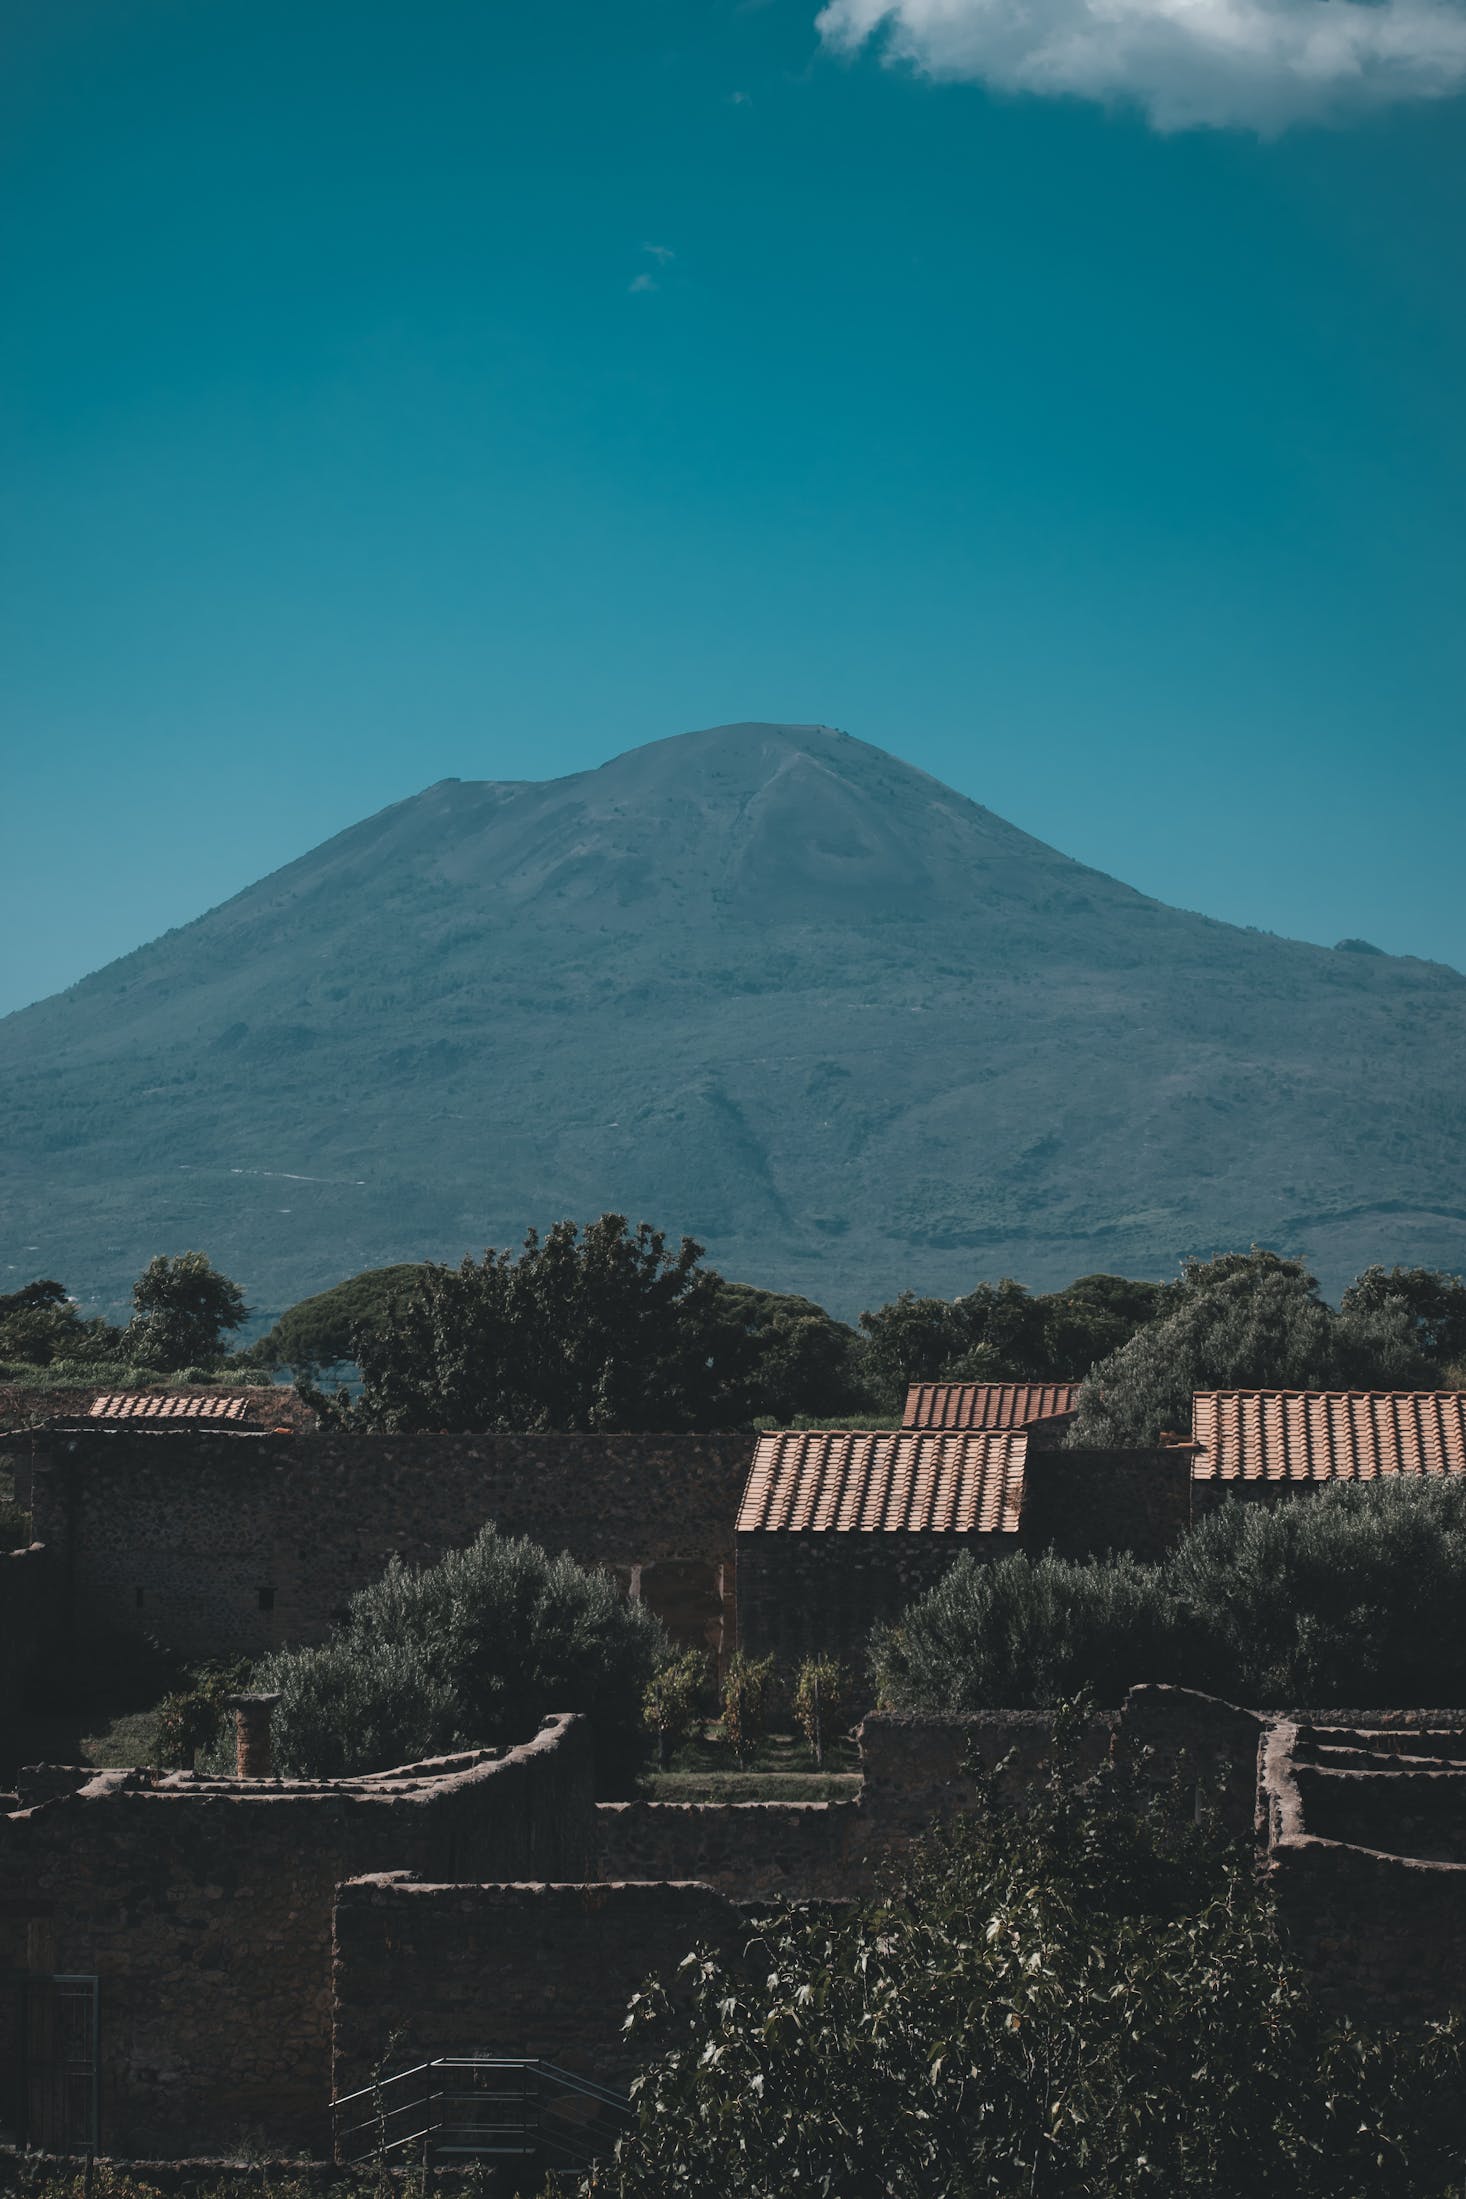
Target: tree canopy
x,y
1084,2001
596,1328
321,1331
182,1308
1242,1321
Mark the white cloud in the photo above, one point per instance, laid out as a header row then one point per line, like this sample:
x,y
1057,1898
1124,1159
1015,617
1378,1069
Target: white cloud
x,y
661,253
640,283
1249,64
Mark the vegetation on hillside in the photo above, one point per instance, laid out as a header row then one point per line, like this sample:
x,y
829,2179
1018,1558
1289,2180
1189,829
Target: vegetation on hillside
x,y
1351,1597
1086,2001
470,1652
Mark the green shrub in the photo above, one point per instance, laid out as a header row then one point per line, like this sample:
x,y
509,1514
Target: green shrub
x,y
823,1695
1347,1596
1350,1595
748,1697
676,1700
475,1650
1084,2002
1026,1632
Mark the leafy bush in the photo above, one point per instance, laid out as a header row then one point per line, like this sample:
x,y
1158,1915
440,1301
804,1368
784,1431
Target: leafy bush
x,y
1350,1596
823,1695
1085,2002
1026,1632
475,1650
675,1700
192,1720
748,1697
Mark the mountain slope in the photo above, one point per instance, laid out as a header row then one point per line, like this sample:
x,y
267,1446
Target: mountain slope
x,y
765,984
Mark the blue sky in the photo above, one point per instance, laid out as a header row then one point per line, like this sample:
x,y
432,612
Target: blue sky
x,y
425,388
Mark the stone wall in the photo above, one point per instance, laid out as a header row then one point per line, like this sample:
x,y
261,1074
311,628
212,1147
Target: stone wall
x,y
799,1850
1083,1503
545,1970
204,1908
29,1610
225,1543
800,1594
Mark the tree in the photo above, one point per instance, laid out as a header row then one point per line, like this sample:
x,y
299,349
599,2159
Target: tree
x,y
1083,2001
911,1340
1430,1300
598,1328
182,1307
474,1650
1241,1321
748,1695
319,1331
783,1357
41,1327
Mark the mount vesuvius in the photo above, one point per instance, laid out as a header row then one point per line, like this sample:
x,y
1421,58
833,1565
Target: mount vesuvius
x,y
764,984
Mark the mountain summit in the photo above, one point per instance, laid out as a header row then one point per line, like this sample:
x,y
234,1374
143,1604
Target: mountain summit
x,y
765,984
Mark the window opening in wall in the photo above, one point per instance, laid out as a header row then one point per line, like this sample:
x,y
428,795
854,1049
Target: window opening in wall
x,y
267,1599
138,1596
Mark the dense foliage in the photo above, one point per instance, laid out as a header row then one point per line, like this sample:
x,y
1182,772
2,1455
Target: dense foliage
x,y
182,1308
321,1331
1087,2002
1246,1321
41,1327
474,1650
1349,1596
1001,1332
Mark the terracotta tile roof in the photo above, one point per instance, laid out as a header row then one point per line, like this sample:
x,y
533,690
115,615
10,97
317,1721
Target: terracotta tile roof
x,y
1327,1435
986,1404
167,1405
818,1481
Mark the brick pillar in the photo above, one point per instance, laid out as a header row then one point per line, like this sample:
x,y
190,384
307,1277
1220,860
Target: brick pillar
x,y
251,1734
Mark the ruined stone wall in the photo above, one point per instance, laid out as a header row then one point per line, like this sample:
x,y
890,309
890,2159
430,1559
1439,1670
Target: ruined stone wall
x,y
801,1850
204,1909
545,1970
228,1544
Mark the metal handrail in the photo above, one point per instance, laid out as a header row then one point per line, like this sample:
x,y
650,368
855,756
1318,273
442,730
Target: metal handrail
x,y
496,2130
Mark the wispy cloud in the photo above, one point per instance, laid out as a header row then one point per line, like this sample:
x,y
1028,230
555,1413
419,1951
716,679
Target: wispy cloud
x,y
640,283
661,253
1247,64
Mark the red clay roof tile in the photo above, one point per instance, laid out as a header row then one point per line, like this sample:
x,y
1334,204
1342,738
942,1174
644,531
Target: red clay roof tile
x,y
1327,1435
987,1404
164,1405
817,1481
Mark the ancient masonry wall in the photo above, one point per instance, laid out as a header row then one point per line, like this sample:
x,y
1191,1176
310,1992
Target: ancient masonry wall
x,y
1371,1899
229,1544
1083,1503
801,1594
29,1609
204,1908
541,1970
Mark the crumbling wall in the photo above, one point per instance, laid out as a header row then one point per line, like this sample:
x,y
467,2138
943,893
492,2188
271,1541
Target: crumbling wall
x,y
225,1543
204,1909
29,1609
799,1850
544,1970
